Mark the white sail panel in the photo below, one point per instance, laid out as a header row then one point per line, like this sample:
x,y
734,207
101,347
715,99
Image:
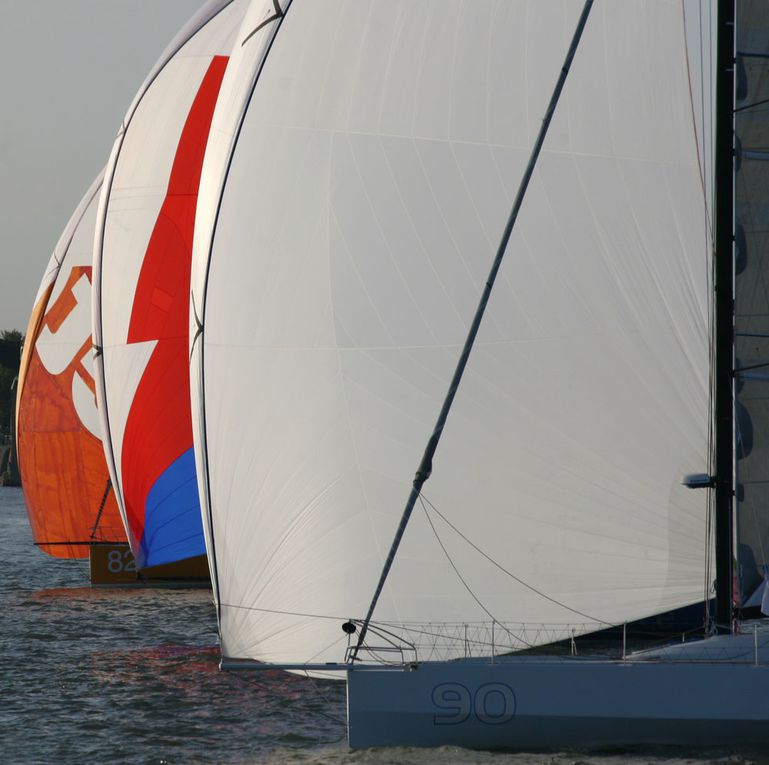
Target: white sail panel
x,y
253,41
142,256
356,225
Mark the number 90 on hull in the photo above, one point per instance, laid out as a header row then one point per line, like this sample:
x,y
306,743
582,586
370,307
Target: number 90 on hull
x,y
560,703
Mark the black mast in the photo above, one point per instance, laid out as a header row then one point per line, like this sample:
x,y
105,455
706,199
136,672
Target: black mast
x,y
724,312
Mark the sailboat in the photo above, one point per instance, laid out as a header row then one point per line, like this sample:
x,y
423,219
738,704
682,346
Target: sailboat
x,y
67,488
66,485
566,403
141,267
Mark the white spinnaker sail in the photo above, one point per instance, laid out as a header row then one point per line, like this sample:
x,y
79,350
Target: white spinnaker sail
x,y
260,24
142,254
340,251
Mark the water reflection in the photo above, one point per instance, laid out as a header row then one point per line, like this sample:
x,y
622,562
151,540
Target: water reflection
x,y
131,676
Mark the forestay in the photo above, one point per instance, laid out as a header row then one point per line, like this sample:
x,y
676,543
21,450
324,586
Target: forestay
x,y
350,206
64,475
141,262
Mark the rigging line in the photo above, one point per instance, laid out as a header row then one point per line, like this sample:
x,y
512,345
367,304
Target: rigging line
x,y
702,165
724,188
435,635
329,703
77,543
708,560
321,651
712,274
711,506
101,508
752,106
395,640
412,626
462,579
700,159
277,611
379,659
425,466
510,574
751,366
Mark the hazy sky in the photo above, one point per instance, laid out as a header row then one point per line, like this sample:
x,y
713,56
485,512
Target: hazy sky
x,y
68,71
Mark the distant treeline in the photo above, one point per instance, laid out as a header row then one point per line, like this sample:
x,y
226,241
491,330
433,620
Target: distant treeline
x,y
10,356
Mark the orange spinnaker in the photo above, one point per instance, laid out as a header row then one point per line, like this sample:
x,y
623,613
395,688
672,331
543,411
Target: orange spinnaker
x,y
63,469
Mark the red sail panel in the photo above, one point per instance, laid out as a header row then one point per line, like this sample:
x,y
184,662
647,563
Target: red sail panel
x,y
159,428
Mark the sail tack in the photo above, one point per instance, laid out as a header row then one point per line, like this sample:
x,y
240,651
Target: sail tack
x,y
351,201
64,474
142,270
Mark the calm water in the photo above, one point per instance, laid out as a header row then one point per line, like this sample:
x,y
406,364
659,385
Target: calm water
x,y
130,676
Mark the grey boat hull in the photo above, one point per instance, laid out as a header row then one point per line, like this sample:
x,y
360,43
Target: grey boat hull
x,y
529,703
